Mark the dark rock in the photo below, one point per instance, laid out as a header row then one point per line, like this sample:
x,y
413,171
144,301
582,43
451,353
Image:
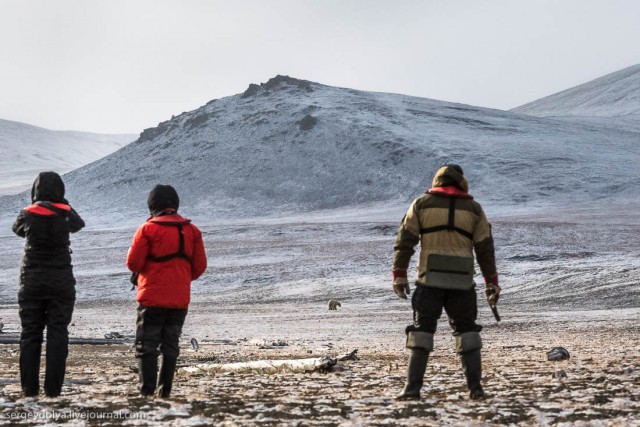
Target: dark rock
x,y
307,122
197,121
251,90
278,82
150,133
558,353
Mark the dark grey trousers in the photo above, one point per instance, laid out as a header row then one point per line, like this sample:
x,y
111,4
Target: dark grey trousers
x,y
460,306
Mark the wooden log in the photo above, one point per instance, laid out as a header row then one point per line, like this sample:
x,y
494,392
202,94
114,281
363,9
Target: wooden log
x,y
14,339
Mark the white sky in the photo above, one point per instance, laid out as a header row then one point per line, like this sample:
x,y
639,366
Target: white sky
x,y
118,66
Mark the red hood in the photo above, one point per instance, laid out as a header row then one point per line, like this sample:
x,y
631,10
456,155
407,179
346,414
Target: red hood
x,y
449,191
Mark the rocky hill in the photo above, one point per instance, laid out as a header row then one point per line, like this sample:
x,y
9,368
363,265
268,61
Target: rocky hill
x,y
291,145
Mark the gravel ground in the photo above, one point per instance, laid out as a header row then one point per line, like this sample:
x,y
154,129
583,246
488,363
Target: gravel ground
x,y
572,282
599,384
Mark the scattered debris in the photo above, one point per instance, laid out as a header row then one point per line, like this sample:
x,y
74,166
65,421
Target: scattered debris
x,y
267,344
557,353
326,365
207,358
113,336
560,374
334,304
350,356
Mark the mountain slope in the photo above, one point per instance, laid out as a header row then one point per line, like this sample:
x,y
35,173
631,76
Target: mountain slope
x,y
27,150
289,147
615,96
292,146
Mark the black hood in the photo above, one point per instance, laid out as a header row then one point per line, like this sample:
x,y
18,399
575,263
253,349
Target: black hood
x,y
48,187
163,197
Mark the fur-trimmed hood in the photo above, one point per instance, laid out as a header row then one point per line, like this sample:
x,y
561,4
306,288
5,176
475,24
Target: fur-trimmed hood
x,y
449,175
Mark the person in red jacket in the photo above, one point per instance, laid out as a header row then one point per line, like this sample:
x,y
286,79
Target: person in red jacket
x,y
167,252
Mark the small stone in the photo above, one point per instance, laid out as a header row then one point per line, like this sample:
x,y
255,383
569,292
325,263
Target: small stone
x,y
560,374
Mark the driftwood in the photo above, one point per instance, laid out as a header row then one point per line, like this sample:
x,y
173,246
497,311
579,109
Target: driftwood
x,y
351,356
14,339
312,364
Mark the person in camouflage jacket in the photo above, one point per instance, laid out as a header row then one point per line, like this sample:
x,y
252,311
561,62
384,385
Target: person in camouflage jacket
x,y
449,226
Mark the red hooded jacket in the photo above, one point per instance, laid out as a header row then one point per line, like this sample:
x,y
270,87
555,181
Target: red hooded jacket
x,y
166,284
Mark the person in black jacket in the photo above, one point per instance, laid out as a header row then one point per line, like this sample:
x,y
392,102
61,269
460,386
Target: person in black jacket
x,y
47,287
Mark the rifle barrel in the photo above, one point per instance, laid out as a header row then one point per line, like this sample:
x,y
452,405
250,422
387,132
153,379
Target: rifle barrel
x,y
494,309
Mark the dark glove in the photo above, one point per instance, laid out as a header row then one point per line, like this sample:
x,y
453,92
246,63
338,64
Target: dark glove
x,y
401,284
492,290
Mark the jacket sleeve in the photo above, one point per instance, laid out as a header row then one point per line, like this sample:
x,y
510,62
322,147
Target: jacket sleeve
x,y
483,246
199,258
18,226
75,222
408,237
138,252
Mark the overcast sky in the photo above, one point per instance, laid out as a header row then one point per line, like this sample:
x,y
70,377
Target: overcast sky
x,y
119,66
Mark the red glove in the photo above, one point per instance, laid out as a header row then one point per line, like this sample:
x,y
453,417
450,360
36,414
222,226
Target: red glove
x,y
401,284
492,290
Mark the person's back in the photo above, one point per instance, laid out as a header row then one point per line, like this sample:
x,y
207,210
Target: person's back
x,y
450,226
47,286
167,253
167,283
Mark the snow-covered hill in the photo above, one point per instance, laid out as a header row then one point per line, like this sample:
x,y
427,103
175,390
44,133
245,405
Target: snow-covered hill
x,y
290,145
27,150
613,99
560,196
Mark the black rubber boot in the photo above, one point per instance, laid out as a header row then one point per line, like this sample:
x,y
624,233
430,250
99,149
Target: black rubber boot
x,y
165,381
148,371
472,367
415,374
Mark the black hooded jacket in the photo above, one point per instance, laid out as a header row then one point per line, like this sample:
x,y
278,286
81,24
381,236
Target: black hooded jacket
x,y
46,225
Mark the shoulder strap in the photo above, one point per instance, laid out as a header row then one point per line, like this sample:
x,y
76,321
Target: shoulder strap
x,y
180,254
450,226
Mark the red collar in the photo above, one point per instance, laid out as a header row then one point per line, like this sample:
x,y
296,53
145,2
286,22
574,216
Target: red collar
x,y
169,219
41,208
449,191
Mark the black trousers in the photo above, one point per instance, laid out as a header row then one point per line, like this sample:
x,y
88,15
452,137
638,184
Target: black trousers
x,y
55,314
460,306
158,331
